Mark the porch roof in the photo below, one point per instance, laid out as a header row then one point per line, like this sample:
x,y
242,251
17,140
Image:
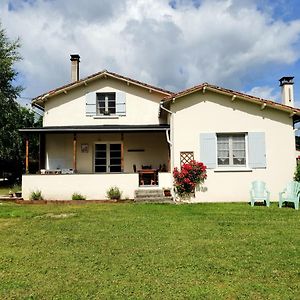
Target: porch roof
x,y
96,128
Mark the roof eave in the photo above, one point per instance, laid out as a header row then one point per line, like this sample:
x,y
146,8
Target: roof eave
x,y
235,95
64,89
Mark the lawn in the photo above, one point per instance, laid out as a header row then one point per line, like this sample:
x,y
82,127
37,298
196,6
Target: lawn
x,y
127,251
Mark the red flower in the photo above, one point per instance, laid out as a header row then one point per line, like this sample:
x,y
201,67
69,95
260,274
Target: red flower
x,y
190,175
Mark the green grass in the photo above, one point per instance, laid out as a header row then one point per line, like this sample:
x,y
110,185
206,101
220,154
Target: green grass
x,y
127,251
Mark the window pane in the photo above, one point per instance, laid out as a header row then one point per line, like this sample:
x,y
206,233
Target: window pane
x,y
115,169
115,161
101,103
111,110
115,146
111,96
223,161
238,142
100,161
100,147
100,168
115,154
239,161
223,150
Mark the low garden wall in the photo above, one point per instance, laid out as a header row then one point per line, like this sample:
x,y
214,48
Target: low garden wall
x,y
92,186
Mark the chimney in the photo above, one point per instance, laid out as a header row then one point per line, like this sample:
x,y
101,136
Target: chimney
x,y
75,59
287,90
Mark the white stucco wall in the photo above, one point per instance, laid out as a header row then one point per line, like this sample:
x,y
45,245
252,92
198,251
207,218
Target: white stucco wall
x,y
142,106
93,186
211,112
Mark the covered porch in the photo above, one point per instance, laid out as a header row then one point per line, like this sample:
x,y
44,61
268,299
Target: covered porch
x,y
90,159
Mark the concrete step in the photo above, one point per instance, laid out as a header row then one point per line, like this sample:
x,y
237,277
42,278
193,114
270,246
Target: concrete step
x,y
151,196
154,200
149,192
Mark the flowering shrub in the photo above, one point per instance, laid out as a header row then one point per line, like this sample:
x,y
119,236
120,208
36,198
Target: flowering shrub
x,y
190,175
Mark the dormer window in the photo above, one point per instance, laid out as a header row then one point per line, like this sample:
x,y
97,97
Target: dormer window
x,y
106,104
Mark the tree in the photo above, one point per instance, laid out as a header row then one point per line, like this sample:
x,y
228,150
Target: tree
x,y
12,115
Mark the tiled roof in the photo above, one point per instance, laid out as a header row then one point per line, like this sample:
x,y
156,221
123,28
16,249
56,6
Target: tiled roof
x,y
206,86
101,74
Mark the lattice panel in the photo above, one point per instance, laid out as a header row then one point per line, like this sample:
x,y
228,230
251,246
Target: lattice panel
x,y
186,157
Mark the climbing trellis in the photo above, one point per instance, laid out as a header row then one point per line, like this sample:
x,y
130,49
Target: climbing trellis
x,y
186,157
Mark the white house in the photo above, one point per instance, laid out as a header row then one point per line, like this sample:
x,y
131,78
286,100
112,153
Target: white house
x,y
109,130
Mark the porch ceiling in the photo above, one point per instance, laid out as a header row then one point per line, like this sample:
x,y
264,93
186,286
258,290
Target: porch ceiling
x,y
97,128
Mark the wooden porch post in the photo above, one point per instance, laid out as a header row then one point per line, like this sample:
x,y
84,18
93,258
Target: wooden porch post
x,y
122,152
27,155
74,153
42,151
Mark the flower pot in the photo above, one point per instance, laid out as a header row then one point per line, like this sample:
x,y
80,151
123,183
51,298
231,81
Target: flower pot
x,y
167,193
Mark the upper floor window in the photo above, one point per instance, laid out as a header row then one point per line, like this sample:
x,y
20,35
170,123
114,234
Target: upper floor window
x,y
231,150
106,104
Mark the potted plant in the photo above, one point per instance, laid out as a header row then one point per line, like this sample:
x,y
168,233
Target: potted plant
x,y
167,192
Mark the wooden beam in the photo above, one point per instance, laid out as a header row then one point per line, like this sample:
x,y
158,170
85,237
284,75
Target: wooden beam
x,y
42,151
122,157
233,98
204,89
292,114
65,92
27,155
75,153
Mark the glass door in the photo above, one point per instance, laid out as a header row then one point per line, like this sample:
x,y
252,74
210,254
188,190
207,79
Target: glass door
x,y
101,158
115,158
108,157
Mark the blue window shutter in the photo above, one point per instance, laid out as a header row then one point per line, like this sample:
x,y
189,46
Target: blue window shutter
x,y
121,103
90,104
257,150
208,149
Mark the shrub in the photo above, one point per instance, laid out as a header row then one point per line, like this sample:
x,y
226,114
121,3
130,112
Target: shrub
x,y
114,193
297,173
190,175
36,195
77,196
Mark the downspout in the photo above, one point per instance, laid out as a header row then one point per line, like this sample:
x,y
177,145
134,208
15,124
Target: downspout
x,y
170,140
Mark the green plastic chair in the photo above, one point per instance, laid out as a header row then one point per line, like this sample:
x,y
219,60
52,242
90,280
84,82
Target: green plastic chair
x,y
290,194
259,192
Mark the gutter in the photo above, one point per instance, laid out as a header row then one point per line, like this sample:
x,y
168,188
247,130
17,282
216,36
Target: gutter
x,y
38,107
170,140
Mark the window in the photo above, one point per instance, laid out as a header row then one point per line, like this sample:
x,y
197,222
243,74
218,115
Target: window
x,y
231,150
106,104
108,158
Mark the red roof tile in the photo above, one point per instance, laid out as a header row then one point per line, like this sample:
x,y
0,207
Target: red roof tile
x,y
99,75
240,95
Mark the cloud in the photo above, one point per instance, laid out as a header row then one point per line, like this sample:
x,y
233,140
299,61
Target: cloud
x,y
265,92
171,44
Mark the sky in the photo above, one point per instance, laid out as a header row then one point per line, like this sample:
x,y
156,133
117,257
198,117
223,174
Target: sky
x,y
244,45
